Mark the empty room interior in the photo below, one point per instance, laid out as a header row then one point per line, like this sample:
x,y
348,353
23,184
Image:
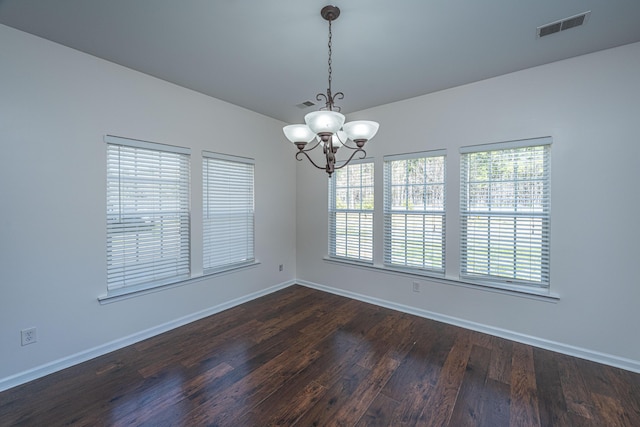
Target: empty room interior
x,y
307,213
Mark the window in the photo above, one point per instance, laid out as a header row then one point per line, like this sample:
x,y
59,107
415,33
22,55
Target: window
x,y
414,211
147,213
228,211
351,212
504,211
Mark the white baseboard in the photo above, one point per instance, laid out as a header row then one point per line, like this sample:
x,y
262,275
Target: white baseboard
x,y
582,353
74,359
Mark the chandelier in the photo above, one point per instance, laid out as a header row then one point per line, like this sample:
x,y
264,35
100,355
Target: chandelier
x,y
327,126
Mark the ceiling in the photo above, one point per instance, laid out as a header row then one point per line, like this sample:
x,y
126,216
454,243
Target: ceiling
x,y
269,56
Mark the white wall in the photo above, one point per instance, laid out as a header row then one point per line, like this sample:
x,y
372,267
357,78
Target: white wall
x,y
56,105
590,106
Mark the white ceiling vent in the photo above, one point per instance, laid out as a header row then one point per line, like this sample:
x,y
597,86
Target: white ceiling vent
x,y
563,24
305,104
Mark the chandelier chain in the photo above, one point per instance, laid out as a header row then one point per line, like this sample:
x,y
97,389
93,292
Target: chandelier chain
x,y
330,51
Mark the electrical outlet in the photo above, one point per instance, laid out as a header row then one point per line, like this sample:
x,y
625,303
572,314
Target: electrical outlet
x,y
281,267
28,336
416,286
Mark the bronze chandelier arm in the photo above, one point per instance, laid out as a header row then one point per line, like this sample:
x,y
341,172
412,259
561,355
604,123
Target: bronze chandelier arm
x,y
309,149
344,144
307,156
364,154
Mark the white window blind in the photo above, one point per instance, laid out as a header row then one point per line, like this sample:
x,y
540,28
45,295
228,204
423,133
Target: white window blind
x,y
504,211
351,212
414,211
228,211
147,213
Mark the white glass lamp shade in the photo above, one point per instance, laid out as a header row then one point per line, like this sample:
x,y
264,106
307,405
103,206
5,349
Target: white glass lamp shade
x,y
361,129
298,133
324,121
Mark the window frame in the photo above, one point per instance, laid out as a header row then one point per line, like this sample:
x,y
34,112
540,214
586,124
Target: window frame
x,y
519,218
390,212
233,255
169,255
363,215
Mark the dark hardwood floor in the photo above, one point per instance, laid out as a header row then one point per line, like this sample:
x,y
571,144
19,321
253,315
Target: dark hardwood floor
x,y
307,358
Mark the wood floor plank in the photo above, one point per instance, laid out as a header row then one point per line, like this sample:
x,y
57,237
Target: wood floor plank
x,y
208,347
627,389
574,388
410,411
368,317
524,401
323,412
301,357
222,408
571,419
423,363
495,403
155,394
388,335
331,321
350,413
468,410
57,394
439,407
279,302
310,305
285,408
167,399
551,403
500,366
610,411
338,352
379,413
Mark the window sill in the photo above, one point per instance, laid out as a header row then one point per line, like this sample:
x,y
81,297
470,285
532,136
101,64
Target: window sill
x,y
513,290
135,291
